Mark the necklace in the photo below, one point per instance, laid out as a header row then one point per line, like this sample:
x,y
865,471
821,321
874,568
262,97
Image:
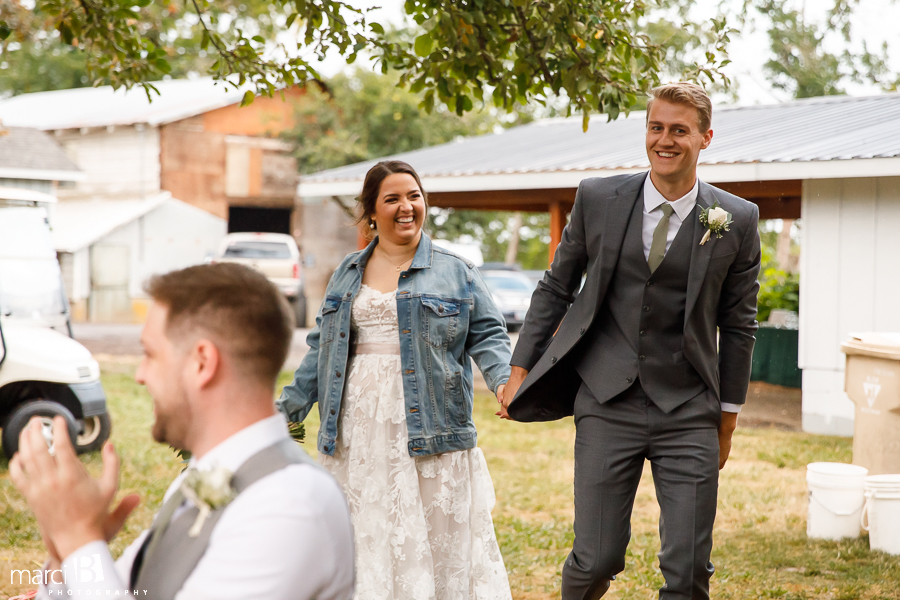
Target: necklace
x,y
396,266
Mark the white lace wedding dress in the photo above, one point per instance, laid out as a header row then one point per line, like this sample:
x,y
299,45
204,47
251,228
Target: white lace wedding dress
x,y
423,525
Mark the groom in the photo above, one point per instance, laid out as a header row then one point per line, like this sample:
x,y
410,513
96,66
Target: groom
x,y
214,342
637,358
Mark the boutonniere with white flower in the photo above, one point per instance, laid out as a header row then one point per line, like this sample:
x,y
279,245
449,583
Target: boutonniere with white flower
x,y
209,489
716,220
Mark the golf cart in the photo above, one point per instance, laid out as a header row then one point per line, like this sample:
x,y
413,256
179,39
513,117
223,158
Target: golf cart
x,y
43,371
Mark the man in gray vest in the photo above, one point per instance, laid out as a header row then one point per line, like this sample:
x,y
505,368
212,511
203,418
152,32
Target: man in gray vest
x,y
251,517
669,263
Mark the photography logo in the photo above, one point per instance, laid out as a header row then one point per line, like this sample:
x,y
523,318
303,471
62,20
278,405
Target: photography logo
x,y
87,569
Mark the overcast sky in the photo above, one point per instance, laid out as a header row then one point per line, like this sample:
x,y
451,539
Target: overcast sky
x,y
874,21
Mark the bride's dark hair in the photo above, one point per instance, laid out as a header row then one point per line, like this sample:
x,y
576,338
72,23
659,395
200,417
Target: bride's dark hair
x,y
372,186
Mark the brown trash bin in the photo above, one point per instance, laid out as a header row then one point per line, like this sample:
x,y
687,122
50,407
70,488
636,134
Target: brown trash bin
x,y
872,380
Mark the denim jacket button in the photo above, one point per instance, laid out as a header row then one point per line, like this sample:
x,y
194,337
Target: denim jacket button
x,y
343,334
338,374
332,411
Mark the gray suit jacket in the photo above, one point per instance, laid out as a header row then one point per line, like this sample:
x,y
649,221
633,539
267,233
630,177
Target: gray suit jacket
x,y
721,294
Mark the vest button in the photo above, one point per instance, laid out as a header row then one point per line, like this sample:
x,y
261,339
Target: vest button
x,y
641,357
643,333
649,284
646,309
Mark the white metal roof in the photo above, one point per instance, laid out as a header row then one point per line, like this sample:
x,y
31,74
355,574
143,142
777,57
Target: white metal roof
x,y
836,136
102,106
79,223
23,195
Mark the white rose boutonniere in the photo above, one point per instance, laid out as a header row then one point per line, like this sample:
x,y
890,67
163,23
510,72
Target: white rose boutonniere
x,y
208,490
716,220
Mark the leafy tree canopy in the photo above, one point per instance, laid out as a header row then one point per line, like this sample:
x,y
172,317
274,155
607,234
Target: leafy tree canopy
x,y
801,64
594,54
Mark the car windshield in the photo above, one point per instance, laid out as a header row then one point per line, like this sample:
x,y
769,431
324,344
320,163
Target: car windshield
x,y
31,289
504,283
257,250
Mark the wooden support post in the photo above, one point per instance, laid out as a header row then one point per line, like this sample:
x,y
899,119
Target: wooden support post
x,y
557,224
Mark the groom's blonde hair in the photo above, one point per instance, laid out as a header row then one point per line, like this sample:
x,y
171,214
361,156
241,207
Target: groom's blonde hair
x,y
685,92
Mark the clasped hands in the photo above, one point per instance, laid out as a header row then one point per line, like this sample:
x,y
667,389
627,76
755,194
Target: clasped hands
x,y
71,507
506,392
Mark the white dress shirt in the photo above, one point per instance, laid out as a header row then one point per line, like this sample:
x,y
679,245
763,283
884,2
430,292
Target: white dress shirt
x,y
287,536
683,208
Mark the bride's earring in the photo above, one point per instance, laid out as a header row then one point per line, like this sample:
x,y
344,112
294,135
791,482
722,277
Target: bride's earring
x,y
371,224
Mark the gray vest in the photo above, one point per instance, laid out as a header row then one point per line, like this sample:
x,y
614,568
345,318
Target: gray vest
x,y
164,572
639,330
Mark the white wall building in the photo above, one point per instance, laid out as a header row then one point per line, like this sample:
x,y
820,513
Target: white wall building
x,y
109,248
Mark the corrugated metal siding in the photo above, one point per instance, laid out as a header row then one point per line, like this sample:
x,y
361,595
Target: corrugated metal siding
x,y
817,129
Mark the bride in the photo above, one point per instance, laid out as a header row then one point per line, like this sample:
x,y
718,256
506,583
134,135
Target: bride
x,y
389,364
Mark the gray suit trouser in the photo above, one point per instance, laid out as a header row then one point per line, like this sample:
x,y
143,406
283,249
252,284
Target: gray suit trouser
x,y
612,441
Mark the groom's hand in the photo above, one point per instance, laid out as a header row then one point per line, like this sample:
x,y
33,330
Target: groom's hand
x,y
516,377
71,507
726,429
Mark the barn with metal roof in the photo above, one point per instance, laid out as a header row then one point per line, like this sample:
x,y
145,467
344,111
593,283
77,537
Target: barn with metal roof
x,y
833,161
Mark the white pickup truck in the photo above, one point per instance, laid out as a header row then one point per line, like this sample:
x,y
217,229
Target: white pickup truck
x,y
277,257
43,371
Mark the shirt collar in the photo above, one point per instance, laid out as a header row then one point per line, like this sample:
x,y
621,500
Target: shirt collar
x,y
683,206
234,451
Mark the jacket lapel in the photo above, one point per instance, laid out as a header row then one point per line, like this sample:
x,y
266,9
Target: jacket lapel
x,y
618,211
700,255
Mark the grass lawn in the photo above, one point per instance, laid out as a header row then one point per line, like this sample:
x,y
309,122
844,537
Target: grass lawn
x,y
761,550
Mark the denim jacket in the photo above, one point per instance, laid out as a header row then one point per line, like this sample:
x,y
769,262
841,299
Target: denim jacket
x,y
446,314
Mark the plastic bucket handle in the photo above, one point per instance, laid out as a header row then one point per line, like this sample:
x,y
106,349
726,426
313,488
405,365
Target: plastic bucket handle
x,y
836,513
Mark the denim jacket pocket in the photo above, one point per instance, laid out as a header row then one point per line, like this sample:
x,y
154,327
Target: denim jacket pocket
x,y
329,309
441,320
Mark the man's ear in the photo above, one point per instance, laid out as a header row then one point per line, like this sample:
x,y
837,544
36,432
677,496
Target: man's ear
x,y
707,138
207,361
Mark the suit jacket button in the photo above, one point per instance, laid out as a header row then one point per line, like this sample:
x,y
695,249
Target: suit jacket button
x,y
628,380
553,360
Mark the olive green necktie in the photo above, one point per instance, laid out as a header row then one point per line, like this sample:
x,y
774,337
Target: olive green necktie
x,y
658,245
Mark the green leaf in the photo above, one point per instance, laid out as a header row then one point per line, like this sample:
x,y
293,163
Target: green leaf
x,y
377,28
5,31
248,98
423,44
65,32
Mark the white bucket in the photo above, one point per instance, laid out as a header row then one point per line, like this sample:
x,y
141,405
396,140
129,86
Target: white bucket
x,y
881,517
836,499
